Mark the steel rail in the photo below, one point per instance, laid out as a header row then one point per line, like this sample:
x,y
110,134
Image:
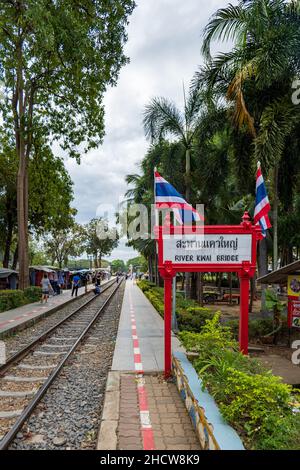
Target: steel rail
x,y
8,438
22,352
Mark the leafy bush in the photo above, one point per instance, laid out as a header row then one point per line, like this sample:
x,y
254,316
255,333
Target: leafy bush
x,y
190,316
16,298
253,400
32,294
257,328
193,318
249,399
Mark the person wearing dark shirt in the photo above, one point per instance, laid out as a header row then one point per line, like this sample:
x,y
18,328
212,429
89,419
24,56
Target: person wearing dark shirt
x,y
75,285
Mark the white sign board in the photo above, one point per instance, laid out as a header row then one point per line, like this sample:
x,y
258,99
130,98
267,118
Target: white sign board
x,y
207,249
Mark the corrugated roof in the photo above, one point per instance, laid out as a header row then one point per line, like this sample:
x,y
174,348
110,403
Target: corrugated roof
x,y
279,276
42,268
4,272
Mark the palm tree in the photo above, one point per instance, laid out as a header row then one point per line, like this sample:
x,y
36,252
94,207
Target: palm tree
x,y
257,75
162,118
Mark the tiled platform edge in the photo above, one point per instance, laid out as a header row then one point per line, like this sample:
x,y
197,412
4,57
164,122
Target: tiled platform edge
x,y
212,430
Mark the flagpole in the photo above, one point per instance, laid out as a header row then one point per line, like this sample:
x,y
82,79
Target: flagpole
x,y
154,191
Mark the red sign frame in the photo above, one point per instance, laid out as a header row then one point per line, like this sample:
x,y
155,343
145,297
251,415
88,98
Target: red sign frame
x,y
245,271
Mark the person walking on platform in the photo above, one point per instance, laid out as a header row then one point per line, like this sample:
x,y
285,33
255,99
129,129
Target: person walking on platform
x,y
46,286
98,279
75,285
97,290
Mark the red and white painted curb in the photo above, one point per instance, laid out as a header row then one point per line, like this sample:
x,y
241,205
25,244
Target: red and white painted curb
x,y
146,427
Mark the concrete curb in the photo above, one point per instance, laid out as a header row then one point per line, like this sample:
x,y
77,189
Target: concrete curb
x,y
107,435
213,431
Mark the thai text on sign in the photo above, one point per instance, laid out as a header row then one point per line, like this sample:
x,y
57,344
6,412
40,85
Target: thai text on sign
x,y
208,248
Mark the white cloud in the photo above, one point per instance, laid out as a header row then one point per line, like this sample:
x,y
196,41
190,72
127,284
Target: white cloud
x,y
164,45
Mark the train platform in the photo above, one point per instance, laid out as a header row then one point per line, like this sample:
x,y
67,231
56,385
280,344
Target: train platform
x,y
143,411
19,318
140,340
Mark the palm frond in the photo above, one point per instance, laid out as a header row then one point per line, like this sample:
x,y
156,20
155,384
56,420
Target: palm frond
x,y
241,114
162,117
227,24
277,122
193,106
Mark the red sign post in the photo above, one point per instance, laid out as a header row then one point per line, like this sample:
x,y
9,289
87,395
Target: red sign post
x,y
211,248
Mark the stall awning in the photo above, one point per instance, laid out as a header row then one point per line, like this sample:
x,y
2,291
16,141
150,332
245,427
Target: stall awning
x,y
279,276
42,268
6,272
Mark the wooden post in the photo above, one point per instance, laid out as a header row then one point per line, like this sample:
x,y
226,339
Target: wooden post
x,y
168,320
244,312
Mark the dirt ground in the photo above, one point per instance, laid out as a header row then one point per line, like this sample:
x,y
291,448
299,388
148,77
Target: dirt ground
x,y
276,358
279,360
233,311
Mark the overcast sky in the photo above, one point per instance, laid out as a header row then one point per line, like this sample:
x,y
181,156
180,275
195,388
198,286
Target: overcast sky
x,y
164,41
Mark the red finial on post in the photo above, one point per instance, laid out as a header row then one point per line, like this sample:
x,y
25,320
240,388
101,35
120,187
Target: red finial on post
x,y
246,221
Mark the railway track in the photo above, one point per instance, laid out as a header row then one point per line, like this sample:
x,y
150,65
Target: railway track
x,y
29,373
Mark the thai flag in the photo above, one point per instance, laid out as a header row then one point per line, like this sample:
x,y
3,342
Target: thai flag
x,y
167,196
262,204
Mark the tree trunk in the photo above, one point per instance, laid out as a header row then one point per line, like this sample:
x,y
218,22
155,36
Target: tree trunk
x,y
230,288
15,258
200,288
22,201
187,197
187,174
194,279
275,219
96,260
8,240
22,178
263,270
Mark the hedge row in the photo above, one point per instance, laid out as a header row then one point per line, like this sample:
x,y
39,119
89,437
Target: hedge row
x,y
16,298
191,317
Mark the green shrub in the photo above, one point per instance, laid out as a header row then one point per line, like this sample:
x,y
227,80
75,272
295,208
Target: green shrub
x,y
252,399
32,294
255,402
145,285
193,318
257,328
16,298
11,299
212,336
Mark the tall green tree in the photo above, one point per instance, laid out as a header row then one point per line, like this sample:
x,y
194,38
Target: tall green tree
x,y
100,240
50,195
62,244
256,77
162,118
56,59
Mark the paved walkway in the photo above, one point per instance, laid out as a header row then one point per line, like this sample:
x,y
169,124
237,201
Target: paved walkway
x,y
170,423
142,410
21,316
150,332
